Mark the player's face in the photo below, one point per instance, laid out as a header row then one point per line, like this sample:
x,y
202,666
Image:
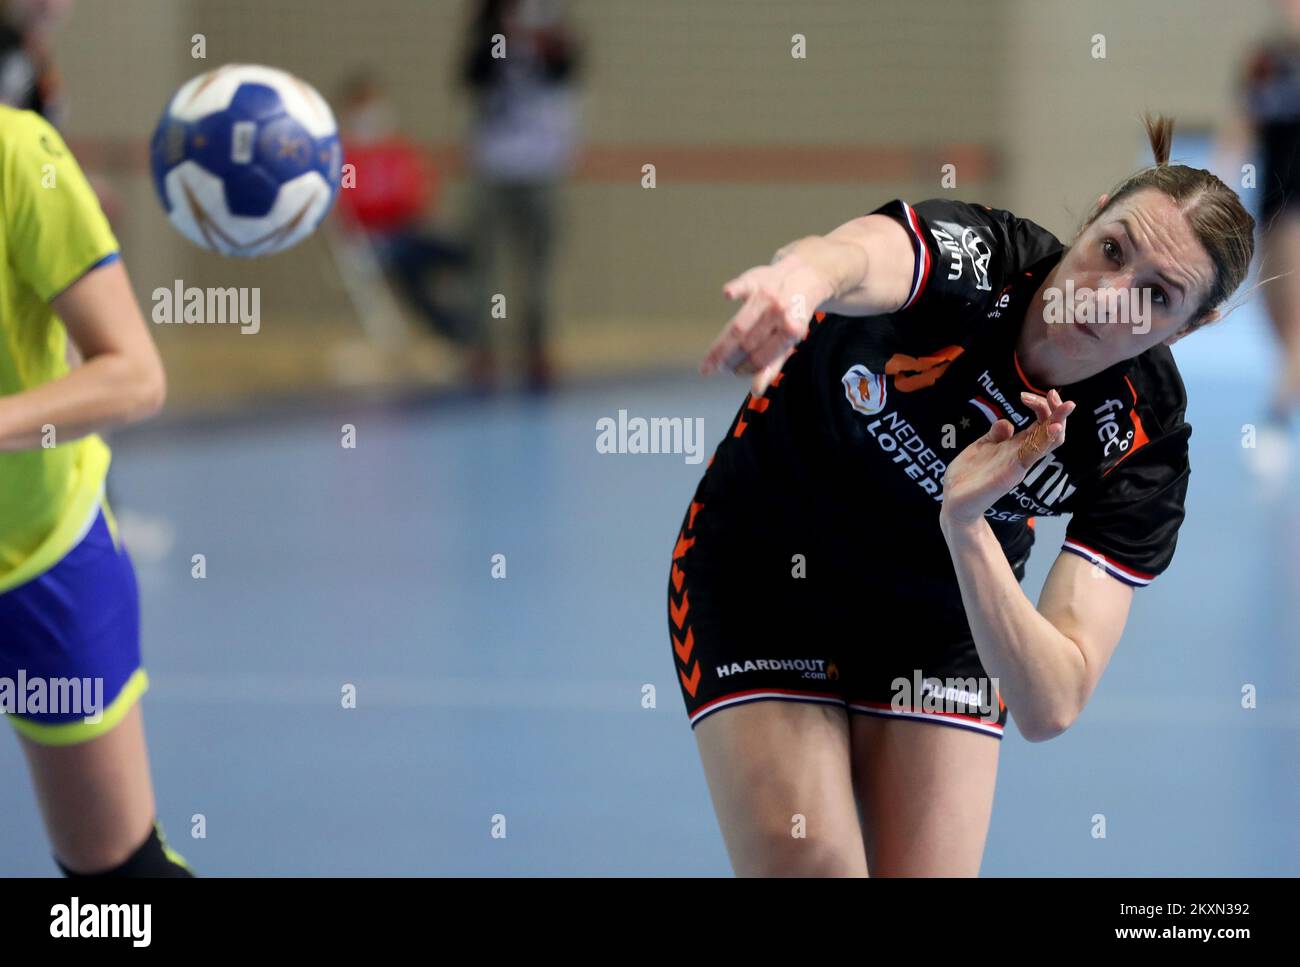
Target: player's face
x,y
1138,275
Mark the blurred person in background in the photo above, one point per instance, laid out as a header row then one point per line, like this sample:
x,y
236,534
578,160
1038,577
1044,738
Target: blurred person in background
x,y
1269,120
521,148
30,81
28,78
396,185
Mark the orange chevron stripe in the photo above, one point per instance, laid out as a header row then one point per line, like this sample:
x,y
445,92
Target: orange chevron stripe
x,y
678,577
776,380
740,426
683,545
678,614
692,683
684,648
695,509
759,403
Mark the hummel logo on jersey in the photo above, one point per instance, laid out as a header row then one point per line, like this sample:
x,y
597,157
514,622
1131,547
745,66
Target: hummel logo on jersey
x,y
985,380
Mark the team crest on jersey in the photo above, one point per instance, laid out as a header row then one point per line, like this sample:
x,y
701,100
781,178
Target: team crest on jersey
x,y
865,390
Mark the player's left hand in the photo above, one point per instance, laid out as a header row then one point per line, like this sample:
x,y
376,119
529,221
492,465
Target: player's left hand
x,y
988,468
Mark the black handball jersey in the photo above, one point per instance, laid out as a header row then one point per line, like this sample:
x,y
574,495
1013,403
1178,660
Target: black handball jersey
x,y
844,455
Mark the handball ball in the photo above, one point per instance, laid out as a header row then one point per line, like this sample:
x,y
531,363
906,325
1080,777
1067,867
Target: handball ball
x,y
246,160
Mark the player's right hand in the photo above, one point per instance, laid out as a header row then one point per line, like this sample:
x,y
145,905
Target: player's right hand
x,y
777,302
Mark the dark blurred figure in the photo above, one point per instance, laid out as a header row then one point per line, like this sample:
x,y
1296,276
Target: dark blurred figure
x,y
1270,119
522,145
28,78
396,186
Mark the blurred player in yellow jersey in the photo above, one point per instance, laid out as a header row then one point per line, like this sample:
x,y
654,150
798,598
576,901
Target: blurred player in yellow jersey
x,y
70,670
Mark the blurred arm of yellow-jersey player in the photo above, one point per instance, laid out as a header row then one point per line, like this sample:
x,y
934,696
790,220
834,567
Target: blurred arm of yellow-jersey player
x,y
120,379
61,263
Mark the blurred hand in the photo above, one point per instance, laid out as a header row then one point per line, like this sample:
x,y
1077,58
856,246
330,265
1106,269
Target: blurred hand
x,y
988,468
777,302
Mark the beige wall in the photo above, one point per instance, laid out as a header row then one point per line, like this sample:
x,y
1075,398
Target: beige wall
x,y
1072,123
639,271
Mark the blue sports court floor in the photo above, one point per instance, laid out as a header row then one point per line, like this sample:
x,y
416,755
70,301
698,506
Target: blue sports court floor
x,y
521,697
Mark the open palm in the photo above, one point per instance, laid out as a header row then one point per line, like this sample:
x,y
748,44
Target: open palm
x,y
987,469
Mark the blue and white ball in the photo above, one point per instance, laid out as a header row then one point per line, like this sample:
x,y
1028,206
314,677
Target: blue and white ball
x,y
246,160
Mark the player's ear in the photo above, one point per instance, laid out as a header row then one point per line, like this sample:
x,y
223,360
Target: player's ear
x,y
1212,316
1101,203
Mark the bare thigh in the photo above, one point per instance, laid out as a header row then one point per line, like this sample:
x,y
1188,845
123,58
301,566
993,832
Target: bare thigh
x,y
782,787
926,795
96,797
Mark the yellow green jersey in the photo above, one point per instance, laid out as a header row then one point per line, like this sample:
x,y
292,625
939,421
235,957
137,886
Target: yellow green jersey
x,y
52,231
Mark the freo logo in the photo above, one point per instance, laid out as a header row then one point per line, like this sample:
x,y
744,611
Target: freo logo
x,y
864,389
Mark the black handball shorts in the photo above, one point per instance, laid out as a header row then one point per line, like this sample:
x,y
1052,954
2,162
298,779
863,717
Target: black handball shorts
x,y
757,616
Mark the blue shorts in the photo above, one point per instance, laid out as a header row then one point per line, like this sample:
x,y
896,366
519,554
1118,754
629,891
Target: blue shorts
x,y
70,643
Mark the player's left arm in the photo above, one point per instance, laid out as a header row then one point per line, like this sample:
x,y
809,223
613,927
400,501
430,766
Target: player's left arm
x,y
1090,608
1046,660
120,380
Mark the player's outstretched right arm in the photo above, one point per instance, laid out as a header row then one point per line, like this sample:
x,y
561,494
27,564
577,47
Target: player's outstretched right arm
x,y
862,268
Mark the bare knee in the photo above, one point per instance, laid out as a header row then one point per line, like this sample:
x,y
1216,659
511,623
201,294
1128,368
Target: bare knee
x,y
782,849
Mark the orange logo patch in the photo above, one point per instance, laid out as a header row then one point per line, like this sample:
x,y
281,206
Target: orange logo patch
x,y
913,373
